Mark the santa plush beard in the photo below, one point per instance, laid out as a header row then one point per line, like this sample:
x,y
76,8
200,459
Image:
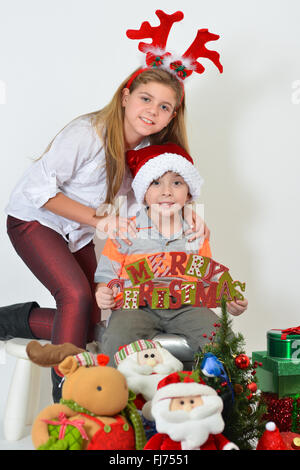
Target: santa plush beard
x,y
143,379
191,428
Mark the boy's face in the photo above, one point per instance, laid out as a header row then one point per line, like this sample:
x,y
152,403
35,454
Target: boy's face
x,y
168,194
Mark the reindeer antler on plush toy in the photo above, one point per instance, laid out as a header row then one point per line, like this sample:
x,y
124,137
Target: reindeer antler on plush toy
x,y
96,411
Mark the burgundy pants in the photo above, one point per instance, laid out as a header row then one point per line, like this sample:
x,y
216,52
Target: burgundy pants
x,y
68,276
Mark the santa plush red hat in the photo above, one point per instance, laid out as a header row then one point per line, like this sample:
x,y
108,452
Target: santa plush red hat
x,y
182,384
152,162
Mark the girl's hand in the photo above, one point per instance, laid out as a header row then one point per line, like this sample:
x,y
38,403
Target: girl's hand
x,y
105,297
237,307
197,225
117,227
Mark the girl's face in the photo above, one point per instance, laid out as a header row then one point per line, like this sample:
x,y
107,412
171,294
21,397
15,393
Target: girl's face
x,y
148,109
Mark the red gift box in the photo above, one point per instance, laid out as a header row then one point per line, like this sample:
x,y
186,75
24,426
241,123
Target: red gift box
x,y
284,412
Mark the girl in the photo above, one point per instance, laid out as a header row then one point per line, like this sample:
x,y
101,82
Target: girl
x,y
52,210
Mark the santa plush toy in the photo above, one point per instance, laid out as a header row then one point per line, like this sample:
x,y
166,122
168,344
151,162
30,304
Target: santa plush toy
x,y
145,363
187,415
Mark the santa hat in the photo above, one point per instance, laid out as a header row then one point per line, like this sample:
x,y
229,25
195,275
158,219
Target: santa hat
x,y
153,161
271,439
88,359
181,384
135,347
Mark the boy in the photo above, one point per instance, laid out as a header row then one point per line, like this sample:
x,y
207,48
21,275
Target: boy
x,y
165,180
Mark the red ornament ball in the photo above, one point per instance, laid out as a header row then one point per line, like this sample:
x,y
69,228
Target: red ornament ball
x,y
242,361
252,387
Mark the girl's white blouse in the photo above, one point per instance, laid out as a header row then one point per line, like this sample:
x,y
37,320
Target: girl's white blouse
x,y
75,166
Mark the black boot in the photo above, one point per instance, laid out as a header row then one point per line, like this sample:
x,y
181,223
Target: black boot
x,y
14,321
56,386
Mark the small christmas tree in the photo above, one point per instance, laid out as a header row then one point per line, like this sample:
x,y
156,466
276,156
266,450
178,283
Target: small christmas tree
x,y
224,365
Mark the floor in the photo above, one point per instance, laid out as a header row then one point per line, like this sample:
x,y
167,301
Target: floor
x,y
22,444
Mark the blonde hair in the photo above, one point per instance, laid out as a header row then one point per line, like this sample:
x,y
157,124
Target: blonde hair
x,y
108,123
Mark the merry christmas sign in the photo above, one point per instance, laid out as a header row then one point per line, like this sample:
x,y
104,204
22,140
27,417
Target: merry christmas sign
x,y
180,279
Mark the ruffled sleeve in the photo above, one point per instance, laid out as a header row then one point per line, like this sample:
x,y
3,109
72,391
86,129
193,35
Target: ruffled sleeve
x,y
70,150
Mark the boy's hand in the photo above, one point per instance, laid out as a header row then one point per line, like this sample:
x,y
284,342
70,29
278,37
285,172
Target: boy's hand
x,y
237,307
105,297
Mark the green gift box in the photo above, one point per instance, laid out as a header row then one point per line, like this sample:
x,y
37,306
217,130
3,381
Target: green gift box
x,y
283,344
277,375
280,367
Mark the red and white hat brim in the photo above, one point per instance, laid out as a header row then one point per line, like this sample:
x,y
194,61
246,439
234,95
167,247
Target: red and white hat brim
x,y
158,166
182,389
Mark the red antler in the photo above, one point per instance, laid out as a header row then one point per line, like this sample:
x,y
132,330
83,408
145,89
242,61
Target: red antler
x,y
197,49
158,34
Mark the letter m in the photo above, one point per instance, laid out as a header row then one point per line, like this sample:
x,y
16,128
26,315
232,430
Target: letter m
x,y
139,272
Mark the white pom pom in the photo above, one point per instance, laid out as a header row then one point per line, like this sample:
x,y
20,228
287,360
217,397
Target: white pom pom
x,y
270,426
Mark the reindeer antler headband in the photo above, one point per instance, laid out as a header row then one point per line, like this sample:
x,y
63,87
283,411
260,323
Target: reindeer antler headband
x,y
157,56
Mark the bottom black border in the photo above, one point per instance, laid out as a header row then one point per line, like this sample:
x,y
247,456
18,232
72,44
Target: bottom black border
x,y
148,459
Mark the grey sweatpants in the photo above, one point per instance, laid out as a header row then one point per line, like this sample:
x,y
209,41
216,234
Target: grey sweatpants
x,y
126,326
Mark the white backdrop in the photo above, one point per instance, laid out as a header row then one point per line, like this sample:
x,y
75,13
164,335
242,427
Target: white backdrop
x,y
63,58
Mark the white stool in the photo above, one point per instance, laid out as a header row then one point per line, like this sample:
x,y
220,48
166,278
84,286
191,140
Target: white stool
x,y
23,399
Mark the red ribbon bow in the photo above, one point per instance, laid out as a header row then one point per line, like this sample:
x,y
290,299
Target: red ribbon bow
x,y
63,421
290,331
